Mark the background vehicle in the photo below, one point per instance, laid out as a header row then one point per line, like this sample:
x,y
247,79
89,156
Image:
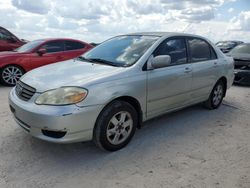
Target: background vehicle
x,y
241,55
8,41
108,92
14,64
226,46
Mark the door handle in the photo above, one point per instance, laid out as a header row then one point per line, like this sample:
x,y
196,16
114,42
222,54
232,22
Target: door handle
x,y
215,64
187,70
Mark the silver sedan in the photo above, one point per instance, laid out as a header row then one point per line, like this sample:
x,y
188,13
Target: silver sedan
x,y
106,94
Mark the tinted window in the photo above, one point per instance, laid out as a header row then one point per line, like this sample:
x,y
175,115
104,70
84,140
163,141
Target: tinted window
x,y
226,44
199,50
72,45
4,34
175,48
55,46
213,54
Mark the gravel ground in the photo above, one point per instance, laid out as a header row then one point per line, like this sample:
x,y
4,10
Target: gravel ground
x,y
194,147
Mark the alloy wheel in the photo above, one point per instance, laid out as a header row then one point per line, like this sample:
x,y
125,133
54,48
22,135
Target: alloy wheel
x,y
218,94
119,127
11,75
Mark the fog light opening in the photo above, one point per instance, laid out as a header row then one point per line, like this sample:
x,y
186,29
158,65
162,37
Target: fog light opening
x,y
54,134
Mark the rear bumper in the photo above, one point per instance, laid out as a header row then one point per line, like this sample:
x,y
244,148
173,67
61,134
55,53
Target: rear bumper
x,y
242,77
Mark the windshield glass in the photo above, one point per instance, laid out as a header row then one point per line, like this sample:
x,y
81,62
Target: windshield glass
x,y
243,48
226,44
29,46
121,50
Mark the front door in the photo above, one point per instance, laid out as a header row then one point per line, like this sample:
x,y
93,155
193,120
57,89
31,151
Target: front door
x,y
168,88
54,53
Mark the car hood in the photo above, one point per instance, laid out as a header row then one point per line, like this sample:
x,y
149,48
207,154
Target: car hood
x,y
240,56
69,73
8,53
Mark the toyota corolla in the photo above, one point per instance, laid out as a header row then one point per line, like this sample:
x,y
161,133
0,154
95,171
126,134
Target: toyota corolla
x,y
107,93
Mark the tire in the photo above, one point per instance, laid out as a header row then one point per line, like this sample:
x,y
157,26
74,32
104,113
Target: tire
x,y
10,74
115,126
216,96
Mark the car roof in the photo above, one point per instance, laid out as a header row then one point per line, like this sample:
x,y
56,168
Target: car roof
x,y
237,41
164,34
53,39
50,39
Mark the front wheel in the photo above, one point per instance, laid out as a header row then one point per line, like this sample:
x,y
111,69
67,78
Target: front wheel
x,y
216,96
115,126
9,75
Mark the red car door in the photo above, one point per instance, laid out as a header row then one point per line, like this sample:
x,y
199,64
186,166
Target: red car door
x,y
50,52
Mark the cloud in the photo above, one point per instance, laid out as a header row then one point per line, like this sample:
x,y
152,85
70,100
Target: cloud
x,y
230,10
41,7
95,21
8,15
241,22
195,14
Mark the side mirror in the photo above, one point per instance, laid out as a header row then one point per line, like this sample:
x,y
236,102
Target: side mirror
x,y
160,61
41,51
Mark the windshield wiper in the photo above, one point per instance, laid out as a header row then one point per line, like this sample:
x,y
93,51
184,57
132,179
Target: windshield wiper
x,y
105,62
100,61
84,59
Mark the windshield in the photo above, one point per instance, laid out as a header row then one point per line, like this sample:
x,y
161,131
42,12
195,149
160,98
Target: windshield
x,y
243,48
29,46
121,50
226,44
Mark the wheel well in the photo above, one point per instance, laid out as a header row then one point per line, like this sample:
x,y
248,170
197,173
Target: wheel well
x,y
135,103
224,80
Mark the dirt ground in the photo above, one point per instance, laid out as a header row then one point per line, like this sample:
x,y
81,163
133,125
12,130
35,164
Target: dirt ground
x,y
191,148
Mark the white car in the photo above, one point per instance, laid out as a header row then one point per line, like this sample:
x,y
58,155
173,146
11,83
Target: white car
x,y
108,92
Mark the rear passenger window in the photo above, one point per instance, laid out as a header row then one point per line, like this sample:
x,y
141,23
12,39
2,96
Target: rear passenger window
x,y
73,45
213,54
175,48
4,34
200,50
54,46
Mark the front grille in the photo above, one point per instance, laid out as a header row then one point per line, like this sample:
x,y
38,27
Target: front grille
x,y
24,91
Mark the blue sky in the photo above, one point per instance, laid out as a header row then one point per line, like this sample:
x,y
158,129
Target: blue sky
x,y
97,20
238,6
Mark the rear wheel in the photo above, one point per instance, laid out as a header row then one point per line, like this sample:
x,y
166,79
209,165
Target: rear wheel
x,y
10,74
216,96
115,126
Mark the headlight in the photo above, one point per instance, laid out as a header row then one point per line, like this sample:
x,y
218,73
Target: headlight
x,y
62,96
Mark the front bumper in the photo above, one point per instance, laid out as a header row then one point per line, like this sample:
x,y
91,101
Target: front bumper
x,y
242,77
69,123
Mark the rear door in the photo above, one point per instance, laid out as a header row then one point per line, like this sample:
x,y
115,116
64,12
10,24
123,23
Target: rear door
x,y
54,53
168,87
204,65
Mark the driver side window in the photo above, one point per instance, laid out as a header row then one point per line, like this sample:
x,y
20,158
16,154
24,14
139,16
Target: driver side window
x,y
54,46
175,48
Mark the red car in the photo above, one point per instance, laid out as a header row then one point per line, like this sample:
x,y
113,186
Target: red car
x,y
8,41
13,64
